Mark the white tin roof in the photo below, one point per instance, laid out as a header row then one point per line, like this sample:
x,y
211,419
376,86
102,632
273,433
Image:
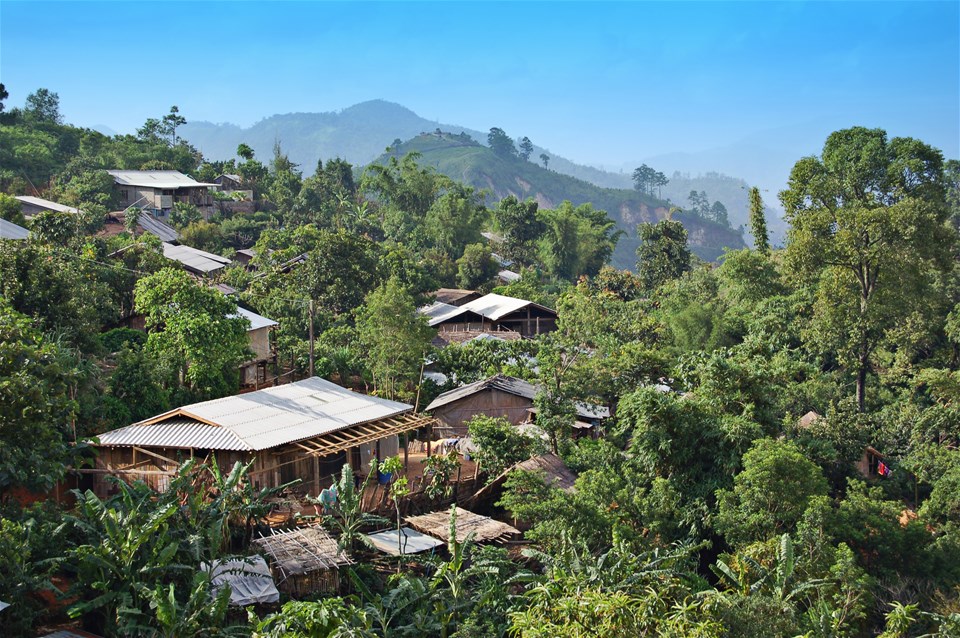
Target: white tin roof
x,y
156,179
259,420
495,306
47,204
195,260
256,321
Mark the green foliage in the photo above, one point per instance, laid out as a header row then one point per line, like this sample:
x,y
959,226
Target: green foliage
x,y
499,444
476,268
663,254
35,406
137,562
10,210
501,143
771,493
194,332
395,337
758,223
868,231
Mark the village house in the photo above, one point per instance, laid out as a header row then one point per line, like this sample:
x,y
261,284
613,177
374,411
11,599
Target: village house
x,y
491,313
31,206
499,396
304,430
254,373
871,463
228,182
158,191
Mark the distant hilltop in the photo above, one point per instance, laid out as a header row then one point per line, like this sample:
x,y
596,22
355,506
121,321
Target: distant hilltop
x,y
361,133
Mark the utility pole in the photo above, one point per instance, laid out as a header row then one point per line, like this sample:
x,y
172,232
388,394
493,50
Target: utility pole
x,y
311,336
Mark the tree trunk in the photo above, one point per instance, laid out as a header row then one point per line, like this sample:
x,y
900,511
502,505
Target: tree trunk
x,y
861,382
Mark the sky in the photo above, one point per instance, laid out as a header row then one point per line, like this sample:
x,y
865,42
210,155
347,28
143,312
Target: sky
x,y
606,84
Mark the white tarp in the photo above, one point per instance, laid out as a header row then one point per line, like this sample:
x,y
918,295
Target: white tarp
x,y
414,541
3,605
250,581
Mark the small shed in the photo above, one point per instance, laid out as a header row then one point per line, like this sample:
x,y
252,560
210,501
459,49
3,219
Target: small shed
x,y
482,529
228,182
304,561
509,313
254,372
497,396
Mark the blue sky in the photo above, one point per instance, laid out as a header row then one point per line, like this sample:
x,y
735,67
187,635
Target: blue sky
x,y
595,82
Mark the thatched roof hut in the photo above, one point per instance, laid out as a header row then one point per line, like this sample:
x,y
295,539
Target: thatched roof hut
x,y
482,528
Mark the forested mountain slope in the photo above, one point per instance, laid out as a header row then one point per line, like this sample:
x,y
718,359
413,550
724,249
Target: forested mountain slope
x,y
464,159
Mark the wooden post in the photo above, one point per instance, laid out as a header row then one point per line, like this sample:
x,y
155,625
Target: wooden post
x,y
316,473
406,450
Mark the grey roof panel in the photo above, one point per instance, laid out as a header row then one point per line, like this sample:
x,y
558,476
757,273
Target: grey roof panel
x,y
9,230
46,203
175,433
156,227
266,418
196,260
156,179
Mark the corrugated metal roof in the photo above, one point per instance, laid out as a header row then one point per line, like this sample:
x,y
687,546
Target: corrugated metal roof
x,y
156,179
495,306
508,276
195,260
438,312
514,386
256,321
267,418
156,227
47,204
175,433
9,230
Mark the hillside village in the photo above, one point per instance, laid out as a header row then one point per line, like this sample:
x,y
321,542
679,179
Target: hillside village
x,y
243,397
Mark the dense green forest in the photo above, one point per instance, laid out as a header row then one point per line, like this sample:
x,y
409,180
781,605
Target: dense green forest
x,y
709,507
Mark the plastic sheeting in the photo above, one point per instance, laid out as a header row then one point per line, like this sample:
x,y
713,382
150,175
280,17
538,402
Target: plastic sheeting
x,y
250,581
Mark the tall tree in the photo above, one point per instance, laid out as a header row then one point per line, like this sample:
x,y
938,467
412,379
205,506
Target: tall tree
x,y
43,105
195,332
545,160
526,148
758,222
171,121
644,179
3,95
867,227
663,253
520,227
500,143
396,338
35,406
718,213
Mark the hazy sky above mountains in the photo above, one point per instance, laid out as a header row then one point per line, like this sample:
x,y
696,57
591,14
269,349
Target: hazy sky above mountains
x,y
598,83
